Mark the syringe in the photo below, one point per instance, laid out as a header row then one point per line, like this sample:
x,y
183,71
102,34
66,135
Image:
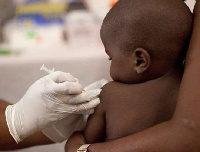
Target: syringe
x,y
47,70
43,68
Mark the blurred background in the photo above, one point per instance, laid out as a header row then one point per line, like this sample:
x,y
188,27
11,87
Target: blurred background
x,y
62,34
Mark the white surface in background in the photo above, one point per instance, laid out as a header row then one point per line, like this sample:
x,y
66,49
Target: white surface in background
x,y
19,40
191,4
81,28
99,7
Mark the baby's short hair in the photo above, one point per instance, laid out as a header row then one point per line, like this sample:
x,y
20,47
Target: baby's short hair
x,y
162,26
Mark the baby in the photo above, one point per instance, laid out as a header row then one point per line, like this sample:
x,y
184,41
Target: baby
x,y
146,41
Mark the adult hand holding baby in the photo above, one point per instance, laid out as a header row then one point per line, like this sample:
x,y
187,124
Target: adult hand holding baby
x,y
42,106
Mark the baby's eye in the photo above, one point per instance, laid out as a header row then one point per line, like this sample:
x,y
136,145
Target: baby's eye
x,y
109,58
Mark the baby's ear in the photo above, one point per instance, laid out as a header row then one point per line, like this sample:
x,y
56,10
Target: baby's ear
x,y
142,60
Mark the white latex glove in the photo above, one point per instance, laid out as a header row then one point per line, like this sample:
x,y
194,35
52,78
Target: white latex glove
x,y
42,105
63,129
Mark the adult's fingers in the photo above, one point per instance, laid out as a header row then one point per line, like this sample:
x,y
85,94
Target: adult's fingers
x,y
96,85
79,109
84,97
89,105
67,88
88,112
59,77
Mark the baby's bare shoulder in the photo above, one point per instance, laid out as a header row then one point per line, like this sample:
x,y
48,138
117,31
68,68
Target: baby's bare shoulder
x,y
111,88
107,93
105,90
114,90
111,85
115,87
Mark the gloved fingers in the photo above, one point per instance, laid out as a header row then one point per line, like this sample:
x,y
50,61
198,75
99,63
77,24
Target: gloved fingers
x,y
82,108
84,97
59,77
78,109
63,97
96,85
67,88
88,112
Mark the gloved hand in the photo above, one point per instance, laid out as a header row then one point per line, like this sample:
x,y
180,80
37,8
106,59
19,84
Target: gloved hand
x,y
43,104
63,129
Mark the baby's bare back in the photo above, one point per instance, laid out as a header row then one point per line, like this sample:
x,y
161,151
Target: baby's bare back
x,y
133,108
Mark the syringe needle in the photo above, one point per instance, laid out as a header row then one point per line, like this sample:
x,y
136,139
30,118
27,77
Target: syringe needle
x,y
43,68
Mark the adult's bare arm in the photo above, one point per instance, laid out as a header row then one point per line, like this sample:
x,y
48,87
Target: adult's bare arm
x,y
5,137
182,133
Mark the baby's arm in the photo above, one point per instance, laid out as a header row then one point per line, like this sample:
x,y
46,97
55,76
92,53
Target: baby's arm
x,y
95,130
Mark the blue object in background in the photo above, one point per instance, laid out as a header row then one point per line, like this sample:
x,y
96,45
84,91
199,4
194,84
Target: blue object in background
x,y
39,19
34,1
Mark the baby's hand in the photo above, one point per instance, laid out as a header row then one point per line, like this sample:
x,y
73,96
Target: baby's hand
x,y
74,142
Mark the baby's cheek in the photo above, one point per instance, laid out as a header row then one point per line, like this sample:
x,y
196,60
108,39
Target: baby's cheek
x,y
121,74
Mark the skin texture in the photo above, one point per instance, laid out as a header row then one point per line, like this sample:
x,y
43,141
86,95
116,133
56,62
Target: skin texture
x,y
181,133
6,140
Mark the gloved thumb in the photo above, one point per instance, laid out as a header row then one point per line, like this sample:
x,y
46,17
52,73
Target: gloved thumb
x,y
96,85
67,88
84,97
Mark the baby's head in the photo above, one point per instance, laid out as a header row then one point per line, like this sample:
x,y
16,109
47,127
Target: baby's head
x,y
146,39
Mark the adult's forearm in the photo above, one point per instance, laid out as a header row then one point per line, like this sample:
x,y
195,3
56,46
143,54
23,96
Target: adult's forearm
x,y
34,140
189,96
172,136
6,140
5,137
